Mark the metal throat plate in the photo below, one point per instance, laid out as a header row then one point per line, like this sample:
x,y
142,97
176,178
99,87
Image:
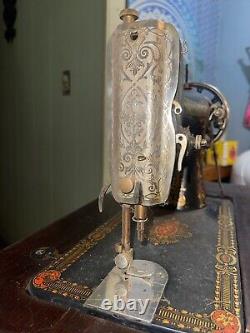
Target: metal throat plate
x,y
134,295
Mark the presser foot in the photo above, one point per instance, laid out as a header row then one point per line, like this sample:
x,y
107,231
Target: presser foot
x,y
134,294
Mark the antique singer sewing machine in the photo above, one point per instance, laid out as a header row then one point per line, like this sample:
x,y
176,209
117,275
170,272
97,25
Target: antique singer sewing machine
x,y
151,259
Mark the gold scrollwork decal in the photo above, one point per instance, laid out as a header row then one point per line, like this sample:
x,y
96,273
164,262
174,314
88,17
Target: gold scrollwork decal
x,y
226,316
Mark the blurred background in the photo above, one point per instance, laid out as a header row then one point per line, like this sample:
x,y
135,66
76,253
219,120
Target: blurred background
x,y
54,123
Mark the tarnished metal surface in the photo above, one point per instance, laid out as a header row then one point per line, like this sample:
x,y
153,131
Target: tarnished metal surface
x,y
144,75
206,114
218,110
145,282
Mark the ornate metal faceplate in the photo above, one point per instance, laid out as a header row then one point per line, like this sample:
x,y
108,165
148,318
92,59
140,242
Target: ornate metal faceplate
x,y
145,68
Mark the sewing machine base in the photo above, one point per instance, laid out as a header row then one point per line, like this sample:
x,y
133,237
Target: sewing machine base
x,y
198,249
136,298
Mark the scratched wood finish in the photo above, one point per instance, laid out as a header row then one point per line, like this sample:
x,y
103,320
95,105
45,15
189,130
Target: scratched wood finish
x,y
22,313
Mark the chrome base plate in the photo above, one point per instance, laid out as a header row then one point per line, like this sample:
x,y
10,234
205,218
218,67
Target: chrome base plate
x,y
134,295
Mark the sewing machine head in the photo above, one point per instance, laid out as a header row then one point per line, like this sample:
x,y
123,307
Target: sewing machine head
x,y
206,115
149,143
146,58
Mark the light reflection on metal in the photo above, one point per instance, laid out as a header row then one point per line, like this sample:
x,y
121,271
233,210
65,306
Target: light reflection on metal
x,y
145,281
144,74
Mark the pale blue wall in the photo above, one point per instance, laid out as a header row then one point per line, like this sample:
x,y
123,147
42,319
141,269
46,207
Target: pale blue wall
x,y
217,32
234,38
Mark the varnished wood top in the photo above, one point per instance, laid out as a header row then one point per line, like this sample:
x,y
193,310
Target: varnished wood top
x,y
19,312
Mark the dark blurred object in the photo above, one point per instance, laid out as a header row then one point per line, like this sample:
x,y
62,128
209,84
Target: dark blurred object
x,y
66,83
2,243
246,70
9,16
247,115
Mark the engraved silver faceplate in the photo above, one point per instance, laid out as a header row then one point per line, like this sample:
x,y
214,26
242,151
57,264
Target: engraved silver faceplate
x,y
145,59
